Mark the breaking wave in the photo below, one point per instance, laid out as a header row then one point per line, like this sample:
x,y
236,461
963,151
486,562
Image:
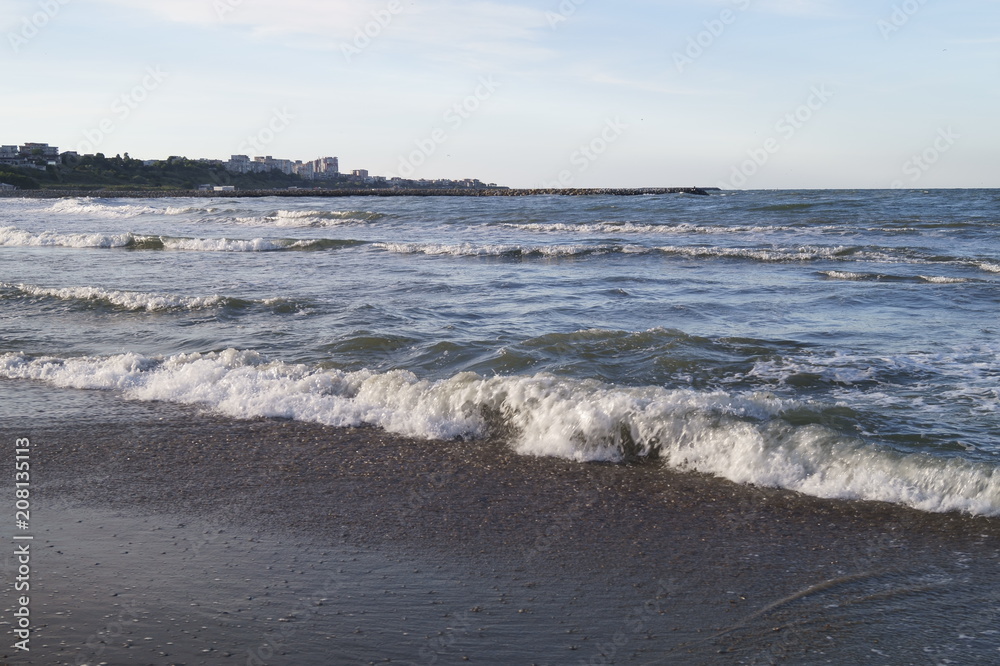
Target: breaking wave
x,y
137,301
741,437
12,236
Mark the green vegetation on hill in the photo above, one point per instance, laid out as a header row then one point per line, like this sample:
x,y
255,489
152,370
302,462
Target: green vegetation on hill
x,y
124,173
12,176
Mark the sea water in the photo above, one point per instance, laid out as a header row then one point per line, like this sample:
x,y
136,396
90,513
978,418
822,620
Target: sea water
x,y
837,343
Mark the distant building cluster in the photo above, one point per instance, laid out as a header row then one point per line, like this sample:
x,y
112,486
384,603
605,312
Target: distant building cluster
x,y
324,167
30,155
329,168
42,155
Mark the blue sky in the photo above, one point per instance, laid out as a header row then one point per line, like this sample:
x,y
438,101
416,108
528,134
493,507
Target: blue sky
x,y
583,93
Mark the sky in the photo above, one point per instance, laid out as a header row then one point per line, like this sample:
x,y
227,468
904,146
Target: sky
x,y
747,94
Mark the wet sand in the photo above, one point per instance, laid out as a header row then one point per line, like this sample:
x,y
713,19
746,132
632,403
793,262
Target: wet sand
x,y
163,536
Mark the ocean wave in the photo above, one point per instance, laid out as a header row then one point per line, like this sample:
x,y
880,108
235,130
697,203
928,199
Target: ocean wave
x,y
127,300
764,254
964,379
741,437
186,210
507,250
943,279
777,254
989,266
353,215
11,236
95,208
884,277
137,301
767,255
635,228
254,244
309,218
111,209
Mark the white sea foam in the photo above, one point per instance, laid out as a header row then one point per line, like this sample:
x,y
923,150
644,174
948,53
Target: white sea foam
x,y
309,218
128,300
836,369
95,209
12,236
182,210
229,244
875,277
634,228
773,254
846,275
989,266
503,249
964,378
939,279
738,437
805,253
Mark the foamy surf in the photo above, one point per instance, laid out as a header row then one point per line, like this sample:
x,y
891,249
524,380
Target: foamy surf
x,y
14,237
136,301
884,277
637,228
741,437
505,250
767,255
309,218
127,300
517,250
92,208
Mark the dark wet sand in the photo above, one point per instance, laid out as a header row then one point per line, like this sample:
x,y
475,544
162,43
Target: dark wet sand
x,y
166,536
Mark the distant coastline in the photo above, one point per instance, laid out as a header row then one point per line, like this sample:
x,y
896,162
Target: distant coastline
x,y
381,192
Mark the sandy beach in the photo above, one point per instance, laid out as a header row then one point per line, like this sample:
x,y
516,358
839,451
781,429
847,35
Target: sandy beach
x,y
167,536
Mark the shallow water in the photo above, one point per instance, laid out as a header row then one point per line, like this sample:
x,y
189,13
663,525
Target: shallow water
x,y
838,343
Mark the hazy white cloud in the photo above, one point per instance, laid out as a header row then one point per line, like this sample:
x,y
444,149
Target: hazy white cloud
x,y
642,85
488,27
266,16
804,8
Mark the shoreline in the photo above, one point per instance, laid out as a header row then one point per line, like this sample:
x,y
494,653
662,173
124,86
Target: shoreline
x,y
454,550
332,193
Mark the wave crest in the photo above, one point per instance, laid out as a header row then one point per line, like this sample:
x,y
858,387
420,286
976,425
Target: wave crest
x,y
741,437
12,236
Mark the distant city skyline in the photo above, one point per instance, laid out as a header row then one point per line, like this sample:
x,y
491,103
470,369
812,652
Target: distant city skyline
x,y
574,93
38,155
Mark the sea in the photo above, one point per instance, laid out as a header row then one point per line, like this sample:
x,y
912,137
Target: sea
x,y
841,344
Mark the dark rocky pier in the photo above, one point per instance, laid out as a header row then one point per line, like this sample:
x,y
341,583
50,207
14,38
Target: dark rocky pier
x,y
375,192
